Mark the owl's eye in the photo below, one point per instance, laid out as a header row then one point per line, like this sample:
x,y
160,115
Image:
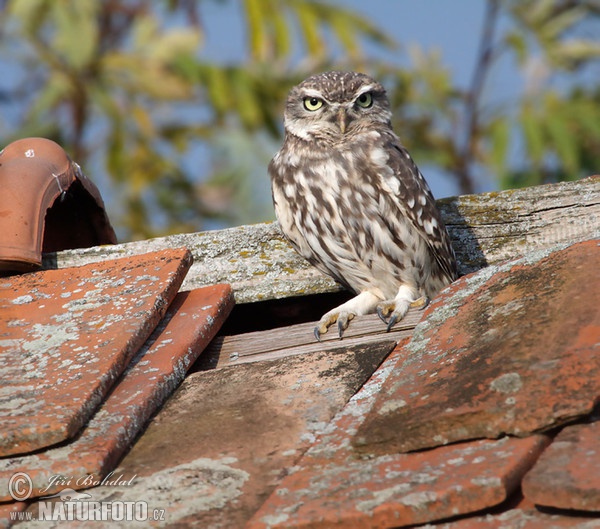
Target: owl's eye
x,y
365,100
312,103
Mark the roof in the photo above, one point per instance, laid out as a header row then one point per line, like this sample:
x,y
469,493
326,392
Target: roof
x,y
182,372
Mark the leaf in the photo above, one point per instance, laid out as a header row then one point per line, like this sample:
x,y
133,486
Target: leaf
x,y
557,24
533,134
536,12
256,29
246,105
143,121
31,13
500,139
563,141
576,50
168,46
309,27
55,91
516,40
281,31
218,85
587,113
76,36
143,32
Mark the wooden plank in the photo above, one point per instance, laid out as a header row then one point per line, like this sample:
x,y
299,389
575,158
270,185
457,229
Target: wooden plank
x,y
493,227
299,339
485,229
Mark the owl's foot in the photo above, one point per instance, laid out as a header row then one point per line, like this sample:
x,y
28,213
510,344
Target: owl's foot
x,y
342,318
393,310
364,303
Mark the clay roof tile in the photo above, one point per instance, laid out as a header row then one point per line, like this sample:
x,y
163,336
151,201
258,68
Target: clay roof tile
x,y
47,204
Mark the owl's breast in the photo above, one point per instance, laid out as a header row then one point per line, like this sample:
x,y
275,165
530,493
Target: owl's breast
x,y
338,214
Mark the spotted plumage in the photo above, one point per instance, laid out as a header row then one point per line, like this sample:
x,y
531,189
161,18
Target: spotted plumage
x,y
351,200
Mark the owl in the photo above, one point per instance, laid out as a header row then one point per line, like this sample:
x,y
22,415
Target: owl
x,y
350,199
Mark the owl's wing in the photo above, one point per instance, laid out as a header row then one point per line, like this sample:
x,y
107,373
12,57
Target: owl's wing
x,y
414,194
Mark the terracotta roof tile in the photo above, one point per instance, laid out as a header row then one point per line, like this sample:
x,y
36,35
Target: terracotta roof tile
x,y
220,445
567,476
66,335
512,349
524,515
47,204
331,487
154,373
8,509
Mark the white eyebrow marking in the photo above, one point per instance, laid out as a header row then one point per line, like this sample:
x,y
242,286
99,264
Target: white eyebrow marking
x,y
366,88
311,92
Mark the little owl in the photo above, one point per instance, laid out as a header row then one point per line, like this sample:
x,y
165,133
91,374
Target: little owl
x,y
352,202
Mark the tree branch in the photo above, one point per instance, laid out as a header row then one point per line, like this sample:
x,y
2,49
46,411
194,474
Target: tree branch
x,y
484,62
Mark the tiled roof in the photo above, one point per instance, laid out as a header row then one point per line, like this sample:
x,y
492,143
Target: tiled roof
x,y
483,415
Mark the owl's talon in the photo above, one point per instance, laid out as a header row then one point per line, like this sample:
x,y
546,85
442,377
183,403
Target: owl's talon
x,y
341,328
317,334
397,308
384,309
391,322
340,316
420,304
382,316
343,320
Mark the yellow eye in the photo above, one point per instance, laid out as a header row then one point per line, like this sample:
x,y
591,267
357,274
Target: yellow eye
x,y
312,103
365,100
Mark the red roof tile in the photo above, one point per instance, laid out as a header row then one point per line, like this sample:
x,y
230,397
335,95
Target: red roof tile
x,y
47,204
9,512
331,487
567,476
220,445
511,352
154,373
66,335
524,515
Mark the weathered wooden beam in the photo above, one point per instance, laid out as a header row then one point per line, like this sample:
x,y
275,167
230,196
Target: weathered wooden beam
x,y
492,227
297,339
485,228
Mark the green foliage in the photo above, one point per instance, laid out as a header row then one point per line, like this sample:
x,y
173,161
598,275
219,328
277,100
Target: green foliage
x,y
177,141
467,135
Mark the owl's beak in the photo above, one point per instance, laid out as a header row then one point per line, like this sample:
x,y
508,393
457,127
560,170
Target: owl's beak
x,y
343,119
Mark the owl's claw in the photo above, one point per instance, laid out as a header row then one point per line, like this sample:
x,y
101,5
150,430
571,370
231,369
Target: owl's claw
x,y
342,319
398,309
381,314
392,321
317,334
363,303
386,308
420,304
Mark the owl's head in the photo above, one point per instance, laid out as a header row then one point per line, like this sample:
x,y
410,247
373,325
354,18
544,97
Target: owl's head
x,y
335,105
